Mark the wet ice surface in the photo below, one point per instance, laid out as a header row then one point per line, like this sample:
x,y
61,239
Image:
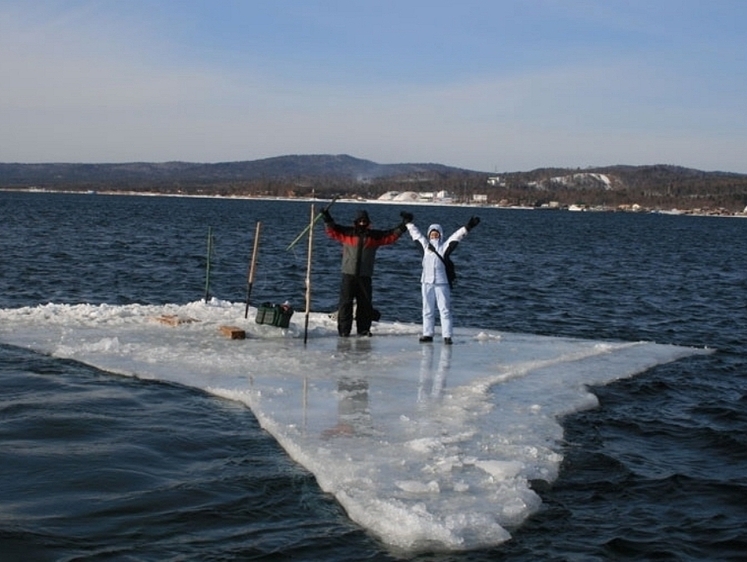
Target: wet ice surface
x,y
429,446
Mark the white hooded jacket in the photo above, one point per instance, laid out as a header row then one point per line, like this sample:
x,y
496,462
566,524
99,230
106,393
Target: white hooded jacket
x,y
434,270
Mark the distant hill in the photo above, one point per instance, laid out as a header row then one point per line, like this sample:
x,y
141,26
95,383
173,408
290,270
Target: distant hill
x,y
655,187
625,176
138,174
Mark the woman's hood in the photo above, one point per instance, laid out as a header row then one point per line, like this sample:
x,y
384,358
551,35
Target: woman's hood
x,y
436,227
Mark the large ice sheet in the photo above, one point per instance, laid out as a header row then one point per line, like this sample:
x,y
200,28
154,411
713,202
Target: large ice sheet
x,y
430,447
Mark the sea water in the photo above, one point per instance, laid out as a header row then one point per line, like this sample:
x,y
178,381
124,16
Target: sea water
x,y
98,466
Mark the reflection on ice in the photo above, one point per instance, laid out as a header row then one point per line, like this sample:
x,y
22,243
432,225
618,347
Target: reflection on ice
x,y
429,447
432,380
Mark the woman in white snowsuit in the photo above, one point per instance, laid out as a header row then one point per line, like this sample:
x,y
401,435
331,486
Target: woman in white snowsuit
x,y
435,285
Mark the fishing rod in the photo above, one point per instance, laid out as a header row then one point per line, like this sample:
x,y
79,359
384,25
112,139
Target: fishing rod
x,y
313,222
250,278
207,266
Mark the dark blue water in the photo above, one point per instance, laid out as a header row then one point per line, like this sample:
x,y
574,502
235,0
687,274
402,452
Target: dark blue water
x,y
100,467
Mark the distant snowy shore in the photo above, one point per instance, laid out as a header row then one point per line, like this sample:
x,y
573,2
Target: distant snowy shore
x,y
420,202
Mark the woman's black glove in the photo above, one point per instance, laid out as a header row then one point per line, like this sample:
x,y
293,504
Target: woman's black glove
x,y
472,223
406,217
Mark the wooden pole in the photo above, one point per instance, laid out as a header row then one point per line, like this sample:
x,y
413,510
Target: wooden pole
x,y
308,275
250,279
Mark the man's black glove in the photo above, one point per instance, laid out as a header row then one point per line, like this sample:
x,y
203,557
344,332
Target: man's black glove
x,y
406,217
326,216
472,223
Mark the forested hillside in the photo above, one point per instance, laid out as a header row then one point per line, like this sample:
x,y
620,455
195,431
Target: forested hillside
x,y
653,187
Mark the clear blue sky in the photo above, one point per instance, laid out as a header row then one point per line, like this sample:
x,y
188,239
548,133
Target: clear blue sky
x,y
490,85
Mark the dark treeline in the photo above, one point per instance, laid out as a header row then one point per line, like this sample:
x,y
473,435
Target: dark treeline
x,y
652,187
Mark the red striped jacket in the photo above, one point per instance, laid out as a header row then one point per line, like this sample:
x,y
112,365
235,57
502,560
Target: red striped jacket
x,y
359,245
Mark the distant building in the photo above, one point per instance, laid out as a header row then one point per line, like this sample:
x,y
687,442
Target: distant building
x,y
479,197
496,180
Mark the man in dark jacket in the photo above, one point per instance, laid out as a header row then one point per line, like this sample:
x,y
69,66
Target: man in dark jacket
x,y
359,244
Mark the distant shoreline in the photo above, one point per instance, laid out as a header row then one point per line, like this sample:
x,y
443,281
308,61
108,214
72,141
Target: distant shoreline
x,y
123,193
